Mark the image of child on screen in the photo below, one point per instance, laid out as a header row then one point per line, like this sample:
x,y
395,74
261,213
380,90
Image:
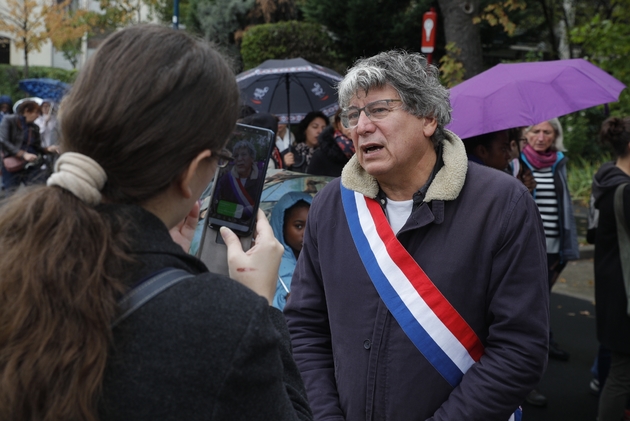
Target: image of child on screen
x,y
237,186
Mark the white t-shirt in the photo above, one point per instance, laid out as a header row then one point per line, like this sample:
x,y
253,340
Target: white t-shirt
x,y
398,213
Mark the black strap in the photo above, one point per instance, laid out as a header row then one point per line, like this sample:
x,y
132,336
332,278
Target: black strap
x,y
148,289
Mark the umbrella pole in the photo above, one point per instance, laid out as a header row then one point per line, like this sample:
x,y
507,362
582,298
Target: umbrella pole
x,y
288,85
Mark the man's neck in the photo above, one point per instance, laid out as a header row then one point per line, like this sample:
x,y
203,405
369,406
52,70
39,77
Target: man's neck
x,y
624,164
405,183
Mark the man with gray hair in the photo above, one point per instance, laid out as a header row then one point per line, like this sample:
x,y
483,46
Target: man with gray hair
x,y
420,292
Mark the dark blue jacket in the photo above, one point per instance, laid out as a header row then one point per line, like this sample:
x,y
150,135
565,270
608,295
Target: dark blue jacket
x,y
479,238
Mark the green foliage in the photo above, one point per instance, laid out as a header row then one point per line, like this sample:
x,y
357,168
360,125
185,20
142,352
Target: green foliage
x,y
362,28
451,69
605,40
580,173
11,75
163,10
581,133
287,40
219,19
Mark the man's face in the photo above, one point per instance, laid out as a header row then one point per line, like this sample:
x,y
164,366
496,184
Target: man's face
x,y
4,107
498,155
243,162
390,147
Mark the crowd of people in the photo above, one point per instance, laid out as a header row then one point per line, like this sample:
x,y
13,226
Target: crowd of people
x,y
414,286
29,142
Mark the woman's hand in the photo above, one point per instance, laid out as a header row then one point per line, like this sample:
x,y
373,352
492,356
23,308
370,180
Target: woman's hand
x,y
289,159
29,157
52,149
257,268
184,232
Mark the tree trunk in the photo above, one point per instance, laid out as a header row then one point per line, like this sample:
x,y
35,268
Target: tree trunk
x,y
25,69
460,30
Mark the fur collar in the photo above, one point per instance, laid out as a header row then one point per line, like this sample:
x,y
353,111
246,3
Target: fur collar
x,y
446,185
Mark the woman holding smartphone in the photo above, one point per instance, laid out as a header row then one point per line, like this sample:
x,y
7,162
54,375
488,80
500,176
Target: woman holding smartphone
x,y
136,160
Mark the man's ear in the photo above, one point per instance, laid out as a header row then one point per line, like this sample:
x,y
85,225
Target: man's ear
x,y
186,181
429,124
481,152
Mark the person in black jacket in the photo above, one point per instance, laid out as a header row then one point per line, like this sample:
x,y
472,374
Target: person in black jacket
x,y
207,348
20,138
298,156
611,294
334,151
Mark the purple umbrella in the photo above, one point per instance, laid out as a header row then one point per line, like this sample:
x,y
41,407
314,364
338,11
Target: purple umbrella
x,y
522,94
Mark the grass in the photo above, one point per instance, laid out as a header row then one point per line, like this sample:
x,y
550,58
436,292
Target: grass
x,y
580,173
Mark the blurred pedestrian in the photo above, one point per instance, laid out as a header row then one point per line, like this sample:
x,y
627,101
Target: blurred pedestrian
x,y
22,149
611,188
489,149
47,122
298,156
334,151
6,106
544,156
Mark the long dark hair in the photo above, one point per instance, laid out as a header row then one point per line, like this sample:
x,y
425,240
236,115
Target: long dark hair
x,y
148,102
300,134
615,132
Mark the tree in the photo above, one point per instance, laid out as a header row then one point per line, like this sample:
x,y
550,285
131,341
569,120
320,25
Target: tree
x,y
23,20
366,27
218,20
463,34
605,41
66,29
287,40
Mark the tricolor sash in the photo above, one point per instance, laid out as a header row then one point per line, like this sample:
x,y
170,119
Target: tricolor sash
x,y
241,194
429,320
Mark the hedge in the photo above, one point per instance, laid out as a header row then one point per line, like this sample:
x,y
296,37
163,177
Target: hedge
x,y
10,76
285,40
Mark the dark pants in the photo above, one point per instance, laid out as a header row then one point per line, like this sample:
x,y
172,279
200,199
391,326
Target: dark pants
x,y
554,267
12,180
616,392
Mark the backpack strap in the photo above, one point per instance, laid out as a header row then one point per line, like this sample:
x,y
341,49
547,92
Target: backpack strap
x,y
148,289
623,237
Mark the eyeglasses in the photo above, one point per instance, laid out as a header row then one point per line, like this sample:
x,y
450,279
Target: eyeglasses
x,y
376,110
224,158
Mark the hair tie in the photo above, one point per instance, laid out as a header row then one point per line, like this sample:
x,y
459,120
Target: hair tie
x,y
81,175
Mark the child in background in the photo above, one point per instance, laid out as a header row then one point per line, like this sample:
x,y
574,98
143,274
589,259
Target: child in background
x,y
288,220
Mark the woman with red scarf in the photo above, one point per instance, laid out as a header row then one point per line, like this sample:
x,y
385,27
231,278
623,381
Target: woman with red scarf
x,y
543,154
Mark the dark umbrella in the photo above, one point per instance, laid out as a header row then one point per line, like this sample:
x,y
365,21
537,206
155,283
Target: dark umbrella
x,y
45,88
523,94
290,89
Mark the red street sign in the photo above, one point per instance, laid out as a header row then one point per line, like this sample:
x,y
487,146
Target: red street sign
x,y
429,25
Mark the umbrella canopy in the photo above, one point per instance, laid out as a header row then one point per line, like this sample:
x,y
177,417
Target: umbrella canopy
x,y
523,94
290,89
44,88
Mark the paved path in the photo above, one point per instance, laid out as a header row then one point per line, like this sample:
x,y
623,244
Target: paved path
x,y
572,310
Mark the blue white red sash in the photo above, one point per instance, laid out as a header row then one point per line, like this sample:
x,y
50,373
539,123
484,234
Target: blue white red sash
x,y
241,194
425,315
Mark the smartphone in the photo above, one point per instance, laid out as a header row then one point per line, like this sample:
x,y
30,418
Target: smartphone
x,y
235,194
237,188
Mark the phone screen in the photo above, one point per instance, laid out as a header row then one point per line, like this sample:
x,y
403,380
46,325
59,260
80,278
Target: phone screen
x,y
237,187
